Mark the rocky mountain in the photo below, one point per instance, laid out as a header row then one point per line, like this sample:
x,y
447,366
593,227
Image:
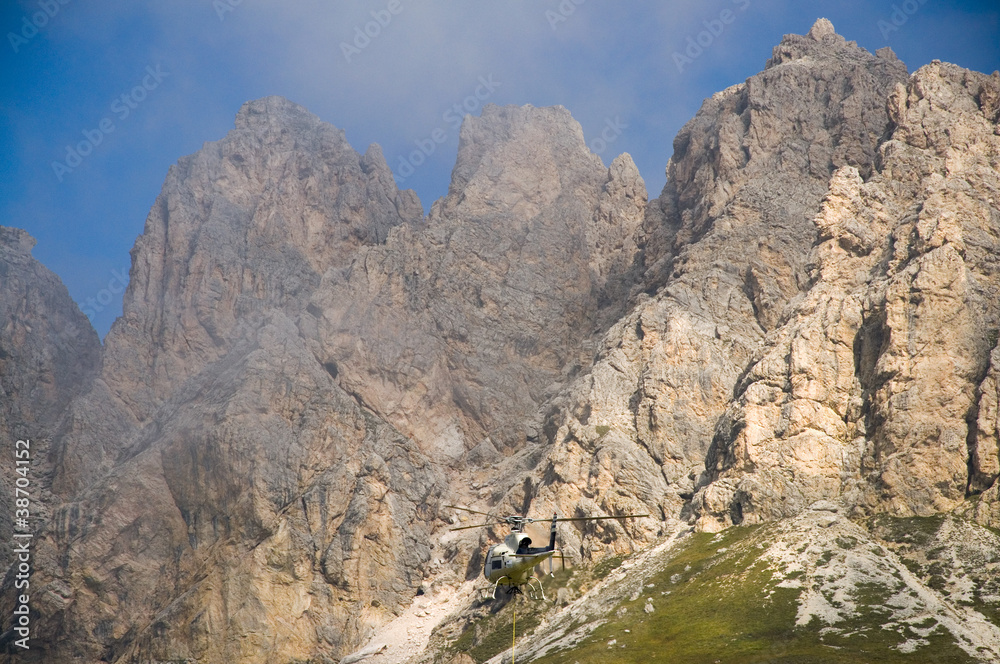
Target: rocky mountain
x,y
49,354
873,390
793,346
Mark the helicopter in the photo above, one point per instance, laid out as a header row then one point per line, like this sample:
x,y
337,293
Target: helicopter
x,y
511,563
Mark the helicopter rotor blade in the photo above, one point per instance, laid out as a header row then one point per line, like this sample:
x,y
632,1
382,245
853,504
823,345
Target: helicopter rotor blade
x,y
598,518
478,525
466,509
518,522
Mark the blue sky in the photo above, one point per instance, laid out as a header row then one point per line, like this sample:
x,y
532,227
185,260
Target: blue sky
x,y
137,87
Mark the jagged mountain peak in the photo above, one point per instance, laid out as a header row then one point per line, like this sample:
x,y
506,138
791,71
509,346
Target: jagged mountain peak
x,y
532,153
821,28
530,212
273,121
16,241
821,43
497,125
49,355
246,224
802,122
866,408
274,110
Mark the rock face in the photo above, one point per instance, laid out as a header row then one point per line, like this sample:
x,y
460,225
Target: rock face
x,y
307,368
49,353
48,349
214,475
247,225
730,239
459,330
262,490
879,389
250,448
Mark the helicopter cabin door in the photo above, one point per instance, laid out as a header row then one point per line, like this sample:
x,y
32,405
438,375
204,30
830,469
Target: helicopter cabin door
x,y
493,563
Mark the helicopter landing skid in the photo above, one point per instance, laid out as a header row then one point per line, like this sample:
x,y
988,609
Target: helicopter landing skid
x,y
492,593
532,589
535,590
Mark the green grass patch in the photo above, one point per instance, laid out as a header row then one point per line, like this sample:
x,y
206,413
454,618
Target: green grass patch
x,y
916,531
717,601
607,566
499,638
990,609
491,634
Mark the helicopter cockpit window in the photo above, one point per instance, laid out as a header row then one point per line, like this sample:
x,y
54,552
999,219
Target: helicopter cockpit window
x,y
497,564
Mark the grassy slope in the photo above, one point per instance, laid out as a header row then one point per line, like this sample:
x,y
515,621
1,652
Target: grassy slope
x,y
714,599
724,605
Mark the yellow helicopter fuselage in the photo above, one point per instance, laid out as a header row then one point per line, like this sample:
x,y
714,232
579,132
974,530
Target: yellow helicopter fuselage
x,y
512,562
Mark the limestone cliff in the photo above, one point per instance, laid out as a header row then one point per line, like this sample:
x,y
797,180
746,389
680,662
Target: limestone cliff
x,y
731,235
48,349
245,226
49,353
877,390
459,330
301,360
